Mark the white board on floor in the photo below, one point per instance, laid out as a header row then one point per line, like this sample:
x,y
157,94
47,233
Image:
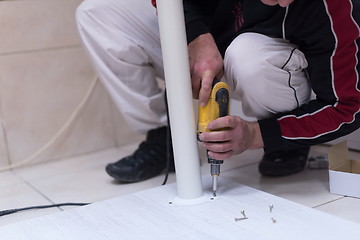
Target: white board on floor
x,y
148,215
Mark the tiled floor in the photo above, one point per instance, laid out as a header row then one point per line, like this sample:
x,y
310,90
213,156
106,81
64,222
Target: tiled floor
x,y
83,179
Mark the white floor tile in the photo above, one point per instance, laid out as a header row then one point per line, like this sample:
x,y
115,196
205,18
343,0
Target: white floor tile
x,y
20,196
8,178
83,179
347,208
309,187
79,164
89,186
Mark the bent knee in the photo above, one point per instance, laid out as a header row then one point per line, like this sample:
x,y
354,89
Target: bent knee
x,y
246,49
245,59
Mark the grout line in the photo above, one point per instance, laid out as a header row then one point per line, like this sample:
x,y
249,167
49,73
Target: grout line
x,y
35,189
38,191
40,50
43,195
322,204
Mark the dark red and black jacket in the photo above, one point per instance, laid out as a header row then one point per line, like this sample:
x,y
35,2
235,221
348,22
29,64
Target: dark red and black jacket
x,y
326,31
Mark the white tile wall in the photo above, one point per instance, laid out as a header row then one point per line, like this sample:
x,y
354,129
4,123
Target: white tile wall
x,y
37,24
44,75
40,91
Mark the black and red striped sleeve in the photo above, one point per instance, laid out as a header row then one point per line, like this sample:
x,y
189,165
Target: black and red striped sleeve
x,y
330,40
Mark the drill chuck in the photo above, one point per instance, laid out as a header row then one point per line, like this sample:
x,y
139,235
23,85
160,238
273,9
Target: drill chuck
x,y
214,166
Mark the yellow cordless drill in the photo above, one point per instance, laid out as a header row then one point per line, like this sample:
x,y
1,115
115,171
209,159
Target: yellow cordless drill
x,y
217,106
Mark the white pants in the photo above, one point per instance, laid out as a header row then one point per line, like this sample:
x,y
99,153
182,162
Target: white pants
x,y
266,74
122,40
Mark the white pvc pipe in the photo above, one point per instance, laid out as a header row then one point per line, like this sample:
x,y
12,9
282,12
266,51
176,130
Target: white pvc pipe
x,y
179,95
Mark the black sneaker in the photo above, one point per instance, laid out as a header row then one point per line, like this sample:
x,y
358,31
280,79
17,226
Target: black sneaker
x,y
149,160
283,163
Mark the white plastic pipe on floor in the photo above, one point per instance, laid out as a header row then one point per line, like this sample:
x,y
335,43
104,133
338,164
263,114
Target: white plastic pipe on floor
x,y
179,95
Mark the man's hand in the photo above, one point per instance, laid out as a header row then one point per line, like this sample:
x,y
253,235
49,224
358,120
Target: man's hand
x,y
206,63
238,136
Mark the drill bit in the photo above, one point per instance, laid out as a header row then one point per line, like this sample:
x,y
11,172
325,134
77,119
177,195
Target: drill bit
x,y
215,172
214,184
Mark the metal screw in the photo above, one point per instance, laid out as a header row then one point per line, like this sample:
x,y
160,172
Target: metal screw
x,y
243,213
243,218
239,219
271,207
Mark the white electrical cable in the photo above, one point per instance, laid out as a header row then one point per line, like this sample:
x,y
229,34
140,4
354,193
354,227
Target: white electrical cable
x,y
70,120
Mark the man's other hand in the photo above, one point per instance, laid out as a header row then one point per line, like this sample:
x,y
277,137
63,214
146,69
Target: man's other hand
x,y
206,63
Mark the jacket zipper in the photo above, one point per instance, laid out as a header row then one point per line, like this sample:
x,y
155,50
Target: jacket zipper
x,y
283,23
